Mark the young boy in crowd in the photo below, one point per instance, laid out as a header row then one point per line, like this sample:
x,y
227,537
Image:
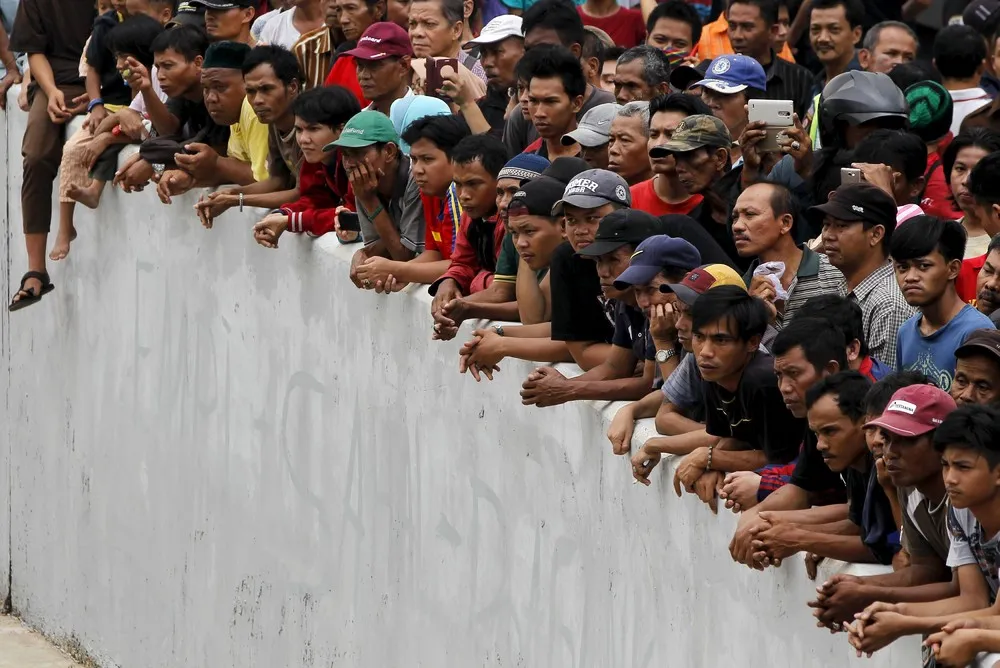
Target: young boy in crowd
x,y
927,254
133,39
320,114
179,56
431,140
743,404
476,164
556,88
536,233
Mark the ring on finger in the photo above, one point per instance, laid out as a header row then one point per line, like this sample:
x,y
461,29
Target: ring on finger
x,y
796,146
366,284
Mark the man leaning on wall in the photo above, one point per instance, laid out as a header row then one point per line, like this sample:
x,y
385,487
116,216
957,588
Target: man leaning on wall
x,y
52,33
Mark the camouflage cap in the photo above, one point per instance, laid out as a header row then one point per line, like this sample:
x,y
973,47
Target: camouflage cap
x,y
692,133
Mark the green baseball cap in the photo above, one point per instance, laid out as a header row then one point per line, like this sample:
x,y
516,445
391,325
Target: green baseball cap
x,y
364,129
693,133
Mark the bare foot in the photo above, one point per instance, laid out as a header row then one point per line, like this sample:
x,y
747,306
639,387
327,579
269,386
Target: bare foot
x,y
89,197
61,248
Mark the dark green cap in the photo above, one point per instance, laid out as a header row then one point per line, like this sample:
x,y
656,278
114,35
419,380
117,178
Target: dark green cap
x,y
226,56
364,129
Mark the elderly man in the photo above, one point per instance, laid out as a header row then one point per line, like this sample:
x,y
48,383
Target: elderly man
x,y
886,45
628,138
643,72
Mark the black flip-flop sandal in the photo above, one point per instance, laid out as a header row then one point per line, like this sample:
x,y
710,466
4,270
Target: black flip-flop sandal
x,y
31,297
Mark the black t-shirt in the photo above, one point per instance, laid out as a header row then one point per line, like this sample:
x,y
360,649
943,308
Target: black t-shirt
x,y
869,508
632,331
811,472
579,310
114,90
58,29
196,124
687,228
494,106
755,414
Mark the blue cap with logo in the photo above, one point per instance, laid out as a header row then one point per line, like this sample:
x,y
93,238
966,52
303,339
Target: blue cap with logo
x,y
653,256
734,73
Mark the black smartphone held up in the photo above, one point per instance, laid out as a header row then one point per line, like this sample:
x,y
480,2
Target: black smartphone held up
x,y
349,221
434,80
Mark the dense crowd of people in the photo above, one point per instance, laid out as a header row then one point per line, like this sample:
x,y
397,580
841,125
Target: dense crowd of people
x,y
770,226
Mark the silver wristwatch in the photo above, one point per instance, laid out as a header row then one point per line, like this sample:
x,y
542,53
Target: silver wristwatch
x,y
663,355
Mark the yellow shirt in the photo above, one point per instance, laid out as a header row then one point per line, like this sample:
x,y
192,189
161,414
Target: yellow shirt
x,y
248,142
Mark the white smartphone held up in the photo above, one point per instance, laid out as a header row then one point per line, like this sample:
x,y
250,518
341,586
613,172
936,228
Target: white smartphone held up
x,y
777,114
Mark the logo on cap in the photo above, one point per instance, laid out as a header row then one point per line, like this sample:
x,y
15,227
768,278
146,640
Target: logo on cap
x,y
577,186
900,406
720,67
857,209
376,40
353,131
620,192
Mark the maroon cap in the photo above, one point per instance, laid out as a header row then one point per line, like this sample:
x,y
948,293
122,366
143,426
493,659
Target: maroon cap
x,y
915,410
382,40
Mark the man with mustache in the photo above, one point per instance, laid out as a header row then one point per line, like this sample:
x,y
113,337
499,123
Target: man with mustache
x,y
977,370
764,229
858,222
988,283
834,30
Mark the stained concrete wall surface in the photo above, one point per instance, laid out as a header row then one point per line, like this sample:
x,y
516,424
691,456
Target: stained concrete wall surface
x,y
222,455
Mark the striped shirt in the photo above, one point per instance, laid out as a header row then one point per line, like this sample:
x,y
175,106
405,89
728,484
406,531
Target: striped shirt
x,y
816,276
788,81
883,311
314,51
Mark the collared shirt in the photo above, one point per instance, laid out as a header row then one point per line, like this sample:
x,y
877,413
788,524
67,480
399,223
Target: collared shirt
x,y
442,218
715,42
815,276
405,210
314,51
987,116
883,311
788,81
966,101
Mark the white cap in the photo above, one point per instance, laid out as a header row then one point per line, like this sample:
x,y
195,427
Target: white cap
x,y
498,30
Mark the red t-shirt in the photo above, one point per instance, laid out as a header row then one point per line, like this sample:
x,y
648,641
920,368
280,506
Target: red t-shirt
x,y
625,26
965,284
645,199
345,73
442,217
937,200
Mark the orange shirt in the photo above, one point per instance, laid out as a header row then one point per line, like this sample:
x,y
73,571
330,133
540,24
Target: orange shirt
x,y
715,42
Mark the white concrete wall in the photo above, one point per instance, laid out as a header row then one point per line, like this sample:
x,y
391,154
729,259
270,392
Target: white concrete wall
x,y
222,455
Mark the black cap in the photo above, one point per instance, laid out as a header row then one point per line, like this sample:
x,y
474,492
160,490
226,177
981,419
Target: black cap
x,y
981,340
858,202
188,14
565,170
537,196
683,77
624,226
226,56
227,4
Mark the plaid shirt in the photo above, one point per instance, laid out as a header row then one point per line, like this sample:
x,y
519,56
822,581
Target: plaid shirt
x,y
883,311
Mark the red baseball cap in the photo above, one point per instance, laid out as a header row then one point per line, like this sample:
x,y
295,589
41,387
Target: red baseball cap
x,y
915,410
382,40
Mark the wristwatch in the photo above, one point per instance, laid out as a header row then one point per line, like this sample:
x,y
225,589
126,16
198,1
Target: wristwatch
x,y
663,355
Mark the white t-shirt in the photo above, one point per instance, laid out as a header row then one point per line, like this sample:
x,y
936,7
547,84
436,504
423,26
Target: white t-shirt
x,y
261,21
139,103
966,101
280,31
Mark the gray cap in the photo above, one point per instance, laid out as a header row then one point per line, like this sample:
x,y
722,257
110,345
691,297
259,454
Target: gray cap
x,y
592,189
594,127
